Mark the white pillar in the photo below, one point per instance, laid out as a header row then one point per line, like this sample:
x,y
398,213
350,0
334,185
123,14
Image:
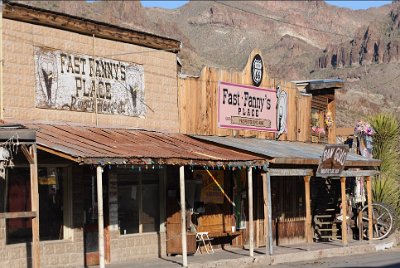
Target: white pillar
x,y
183,214
251,223
100,214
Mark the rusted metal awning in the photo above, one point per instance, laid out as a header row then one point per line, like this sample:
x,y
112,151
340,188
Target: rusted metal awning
x,y
92,145
285,152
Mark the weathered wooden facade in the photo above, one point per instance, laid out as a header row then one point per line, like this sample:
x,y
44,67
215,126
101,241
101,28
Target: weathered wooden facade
x,y
117,178
293,148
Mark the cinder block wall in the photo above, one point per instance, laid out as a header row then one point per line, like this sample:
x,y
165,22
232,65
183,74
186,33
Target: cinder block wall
x,y
138,246
60,253
160,75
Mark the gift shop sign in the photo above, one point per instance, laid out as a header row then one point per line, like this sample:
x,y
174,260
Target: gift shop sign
x,y
75,82
246,107
332,160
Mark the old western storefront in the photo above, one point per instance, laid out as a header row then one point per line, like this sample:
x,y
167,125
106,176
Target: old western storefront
x,y
140,173
88,89
246,110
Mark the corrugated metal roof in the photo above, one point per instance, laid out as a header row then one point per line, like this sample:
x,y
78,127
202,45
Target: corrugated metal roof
x,y
285,152
93,145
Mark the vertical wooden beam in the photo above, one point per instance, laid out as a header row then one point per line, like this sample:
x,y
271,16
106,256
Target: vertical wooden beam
x,y
270,239
163,200
308,227
183,214
344,210
265,202
369,198
67,204
140,202
99,170
35,207
250,199
257,214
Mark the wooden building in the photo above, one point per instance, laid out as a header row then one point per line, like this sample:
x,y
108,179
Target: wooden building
x,y
288,123
101,140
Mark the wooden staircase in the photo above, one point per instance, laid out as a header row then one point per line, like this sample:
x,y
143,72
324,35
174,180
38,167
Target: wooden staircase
x,y
325,209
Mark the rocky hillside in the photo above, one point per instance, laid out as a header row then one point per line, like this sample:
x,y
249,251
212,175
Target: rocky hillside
x,y
299,40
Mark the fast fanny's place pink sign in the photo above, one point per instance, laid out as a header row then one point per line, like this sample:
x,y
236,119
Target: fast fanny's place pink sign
x,y
246,107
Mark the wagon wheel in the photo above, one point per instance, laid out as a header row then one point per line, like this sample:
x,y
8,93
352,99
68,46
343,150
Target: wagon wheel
x,y
382,221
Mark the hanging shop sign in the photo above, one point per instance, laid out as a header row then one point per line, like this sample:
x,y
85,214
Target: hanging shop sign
x,y
75,82
332,160
257,70
246,107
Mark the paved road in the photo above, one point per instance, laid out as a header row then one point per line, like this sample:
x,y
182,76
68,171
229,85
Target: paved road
x,y
387,259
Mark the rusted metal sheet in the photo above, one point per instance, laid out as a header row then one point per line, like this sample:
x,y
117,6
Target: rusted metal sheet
x,y
284,152
91,145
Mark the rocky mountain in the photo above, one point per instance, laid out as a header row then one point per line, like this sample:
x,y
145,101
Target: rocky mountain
x,y
299,40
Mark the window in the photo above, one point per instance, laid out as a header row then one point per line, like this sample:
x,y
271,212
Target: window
x,y
18,191
18,199
138,201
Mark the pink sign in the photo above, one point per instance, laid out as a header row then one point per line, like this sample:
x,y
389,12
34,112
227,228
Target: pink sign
x,y
246,107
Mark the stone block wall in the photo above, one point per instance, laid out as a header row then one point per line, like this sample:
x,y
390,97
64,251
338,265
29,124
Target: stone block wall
x,y
137,246
19,42
58,253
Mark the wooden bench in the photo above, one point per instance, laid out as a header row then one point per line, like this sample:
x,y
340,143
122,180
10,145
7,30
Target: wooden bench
x,y
222,234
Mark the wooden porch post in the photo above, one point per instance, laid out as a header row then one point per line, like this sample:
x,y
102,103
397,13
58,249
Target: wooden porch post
x,y
35,207
344,210
369,198
270,238
265,199
99,170
308,227
250,198
183,215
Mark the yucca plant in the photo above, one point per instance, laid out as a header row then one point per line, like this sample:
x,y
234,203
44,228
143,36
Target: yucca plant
x,y
386,186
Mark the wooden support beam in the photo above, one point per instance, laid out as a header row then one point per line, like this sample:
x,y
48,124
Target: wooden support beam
x,y
359,173
257,216
250,199
29,14
183,215
308,226
140,197
18,215
270,238
34,206
99,171
344,210
265,199
27,154
370,216
290,172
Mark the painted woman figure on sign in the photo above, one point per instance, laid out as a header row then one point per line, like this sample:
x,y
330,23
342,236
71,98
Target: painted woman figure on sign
x,y
281,111
46,69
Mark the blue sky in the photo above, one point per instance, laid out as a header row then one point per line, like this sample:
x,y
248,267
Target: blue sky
x,y
348,4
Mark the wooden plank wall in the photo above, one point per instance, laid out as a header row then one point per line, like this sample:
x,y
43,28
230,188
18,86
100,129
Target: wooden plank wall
x,y
198,102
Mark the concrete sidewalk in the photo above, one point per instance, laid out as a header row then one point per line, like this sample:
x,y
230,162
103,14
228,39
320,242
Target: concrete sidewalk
x,y
235,257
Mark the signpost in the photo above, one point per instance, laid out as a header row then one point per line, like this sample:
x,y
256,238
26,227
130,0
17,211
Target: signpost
x,y
332,160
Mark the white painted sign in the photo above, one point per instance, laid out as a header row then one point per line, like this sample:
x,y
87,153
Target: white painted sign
x,y
70,81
